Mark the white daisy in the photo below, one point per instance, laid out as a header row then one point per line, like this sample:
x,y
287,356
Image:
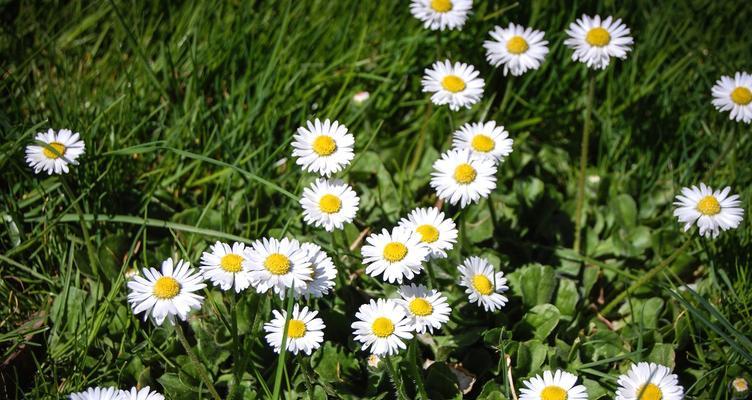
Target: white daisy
x,y
324,272
457,85
557,386
462,177
96,393
144,394
441,14
426,309
329,204
223,266
483,285
649,381
436,231
712,210
484,140
382,327
518,48
740,385
735,95
67,148
278,265
304,331
323,148
167,293
397,254
594,41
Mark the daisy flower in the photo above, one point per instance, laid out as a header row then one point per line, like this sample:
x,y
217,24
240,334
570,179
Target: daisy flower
x,y
278,265
441,14
484,140
425,309
436,231
329,204
304,331
517,48
67,148
712,210
324,272
594,41
461,177
557,386
143,394
96,393
223,266
167,293
323,148
382,327
735,95
649,381
397,254
740,386
457,85
483,285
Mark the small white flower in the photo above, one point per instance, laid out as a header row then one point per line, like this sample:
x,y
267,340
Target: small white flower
x,y
483,286
426,309
740,385
324,272
278,265
223,266
594,41
518,48
457,85
649,381
361,97
397,254
329,204
382,327
462,177
96,393
304,331
67,148
373,361
167,293
735,95
436,231
557,386
144,394
323,148
484,140
712,210
441,14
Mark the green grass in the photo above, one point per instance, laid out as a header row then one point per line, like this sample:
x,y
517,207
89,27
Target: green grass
x,y
188,111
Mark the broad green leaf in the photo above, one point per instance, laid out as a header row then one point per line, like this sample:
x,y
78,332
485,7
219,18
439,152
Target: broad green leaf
x,y
662,353
625,211
535,283
567,297
530,356
542,319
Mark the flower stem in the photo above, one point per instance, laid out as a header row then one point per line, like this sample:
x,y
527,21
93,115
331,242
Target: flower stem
x,y
396,380
587,127
415,368
283,346
90,251
235,344
194,359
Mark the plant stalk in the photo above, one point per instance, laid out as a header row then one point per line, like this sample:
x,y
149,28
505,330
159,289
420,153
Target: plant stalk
x,y
587,127
194,359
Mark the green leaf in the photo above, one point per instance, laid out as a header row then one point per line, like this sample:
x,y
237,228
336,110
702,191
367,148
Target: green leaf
x,y
530,356
535,283
662,353
333,364
567,297
441,383
111,253
543,319
594,389
625,211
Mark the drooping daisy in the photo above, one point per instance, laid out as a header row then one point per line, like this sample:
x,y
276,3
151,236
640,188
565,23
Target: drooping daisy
x,y
67,148
457,85
484,140
649,381
323,148
168,293
304,331
223,266
329,204
484,287
712,210
441,14
557,386
425,309
382,327
144,394
735,95
278,265
436,231
397,254
96,393
461,177
517,48
324,272
594,41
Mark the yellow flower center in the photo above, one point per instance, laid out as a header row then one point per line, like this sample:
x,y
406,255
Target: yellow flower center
x,y
166,288
483,143
277,264
382,327
428,233
324,145
650,392
741,96
421,307
553,393
464,174
59,148
517,45
441,6
598,37
296,329
330,204
395,251
482,284
740,384
708,205
231,263
453,83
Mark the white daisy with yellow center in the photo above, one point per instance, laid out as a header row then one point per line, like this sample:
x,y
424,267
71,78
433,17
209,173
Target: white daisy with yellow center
x,y
397,255
96,393
441,14
166,294
649,381
560,385
517,48
278,265
460,176
223,266
740,386
457,85
439,233
381,327
713,211
484,139
144,394
54,151
323,275
323,148
329,204
735,95
483,286
595,41
305,332
426,309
